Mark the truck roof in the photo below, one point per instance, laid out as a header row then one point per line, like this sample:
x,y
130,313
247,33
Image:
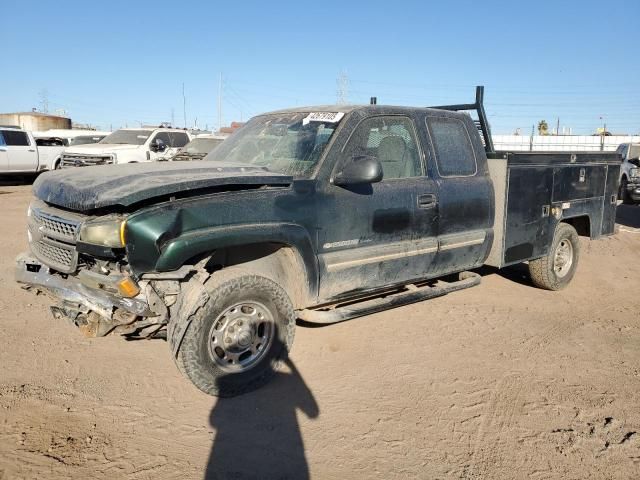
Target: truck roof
x,y
349,108
62,133
153,129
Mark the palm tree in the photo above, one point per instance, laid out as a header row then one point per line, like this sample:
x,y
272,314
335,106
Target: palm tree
x,y
543,128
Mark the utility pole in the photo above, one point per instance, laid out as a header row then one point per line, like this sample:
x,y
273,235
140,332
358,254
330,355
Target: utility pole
x,y
533,129
173,117
220,103
184,106
558,127
342,90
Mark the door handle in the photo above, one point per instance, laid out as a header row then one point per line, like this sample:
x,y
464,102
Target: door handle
x,y
31,150
2,149
428,200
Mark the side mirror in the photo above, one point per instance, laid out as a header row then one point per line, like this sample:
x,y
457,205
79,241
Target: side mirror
x,y
359,170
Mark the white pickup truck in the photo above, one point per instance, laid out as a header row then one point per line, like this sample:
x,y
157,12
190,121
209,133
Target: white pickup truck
x,y
128,145
23,152
51,143
19,153
629,173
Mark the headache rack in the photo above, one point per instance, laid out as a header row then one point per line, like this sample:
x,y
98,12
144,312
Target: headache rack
x,y
481,123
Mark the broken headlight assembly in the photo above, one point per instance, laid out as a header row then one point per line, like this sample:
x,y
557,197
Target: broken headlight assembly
x,y
105,232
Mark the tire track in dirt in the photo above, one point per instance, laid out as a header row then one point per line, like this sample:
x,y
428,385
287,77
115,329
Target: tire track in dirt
x,y
505,400
490,445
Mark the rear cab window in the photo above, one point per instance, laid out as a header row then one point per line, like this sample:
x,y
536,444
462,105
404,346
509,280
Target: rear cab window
x,y
455,156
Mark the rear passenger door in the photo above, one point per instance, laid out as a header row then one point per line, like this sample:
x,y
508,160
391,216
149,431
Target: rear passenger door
x,y
384,233
22,155
465,193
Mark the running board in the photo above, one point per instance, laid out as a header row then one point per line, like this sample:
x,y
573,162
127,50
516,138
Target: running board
x,y
412,295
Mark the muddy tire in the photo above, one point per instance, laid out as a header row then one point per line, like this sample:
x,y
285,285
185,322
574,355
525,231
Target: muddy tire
x,y
238,338
555,270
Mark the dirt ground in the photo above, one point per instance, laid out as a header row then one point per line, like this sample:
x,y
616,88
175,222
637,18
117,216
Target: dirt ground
x,y
499,381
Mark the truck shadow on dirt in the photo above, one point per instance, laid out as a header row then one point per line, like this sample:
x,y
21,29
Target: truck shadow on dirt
x,y
518,273
628,216
258,435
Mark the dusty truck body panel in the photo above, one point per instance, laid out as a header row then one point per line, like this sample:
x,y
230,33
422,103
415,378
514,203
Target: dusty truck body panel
x,y
330,212
536,191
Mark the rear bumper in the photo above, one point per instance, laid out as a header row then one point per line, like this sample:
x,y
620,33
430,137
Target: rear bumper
x,y
71,292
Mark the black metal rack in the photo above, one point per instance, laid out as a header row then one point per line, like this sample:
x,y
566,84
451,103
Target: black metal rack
x,y
478,106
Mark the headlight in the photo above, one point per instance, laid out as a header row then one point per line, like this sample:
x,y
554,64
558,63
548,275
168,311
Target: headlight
x,y
634,172
107,232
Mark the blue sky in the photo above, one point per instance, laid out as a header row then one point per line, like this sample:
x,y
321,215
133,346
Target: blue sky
x,y
118,63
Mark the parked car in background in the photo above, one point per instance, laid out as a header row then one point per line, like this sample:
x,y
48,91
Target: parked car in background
x,y
51,143
197,148
128,145
629,173
18,152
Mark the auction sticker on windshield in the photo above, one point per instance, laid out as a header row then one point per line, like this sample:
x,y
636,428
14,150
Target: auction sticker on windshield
x,y
328,117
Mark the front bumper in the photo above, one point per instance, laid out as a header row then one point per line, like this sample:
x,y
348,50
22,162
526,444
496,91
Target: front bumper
x,y
72,293
633,190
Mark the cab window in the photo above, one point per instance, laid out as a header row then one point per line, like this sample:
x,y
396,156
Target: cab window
x,y
454,153
15,138
392,140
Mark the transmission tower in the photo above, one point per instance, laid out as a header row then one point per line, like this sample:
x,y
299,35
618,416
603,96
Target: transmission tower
x,y
342,90
44,100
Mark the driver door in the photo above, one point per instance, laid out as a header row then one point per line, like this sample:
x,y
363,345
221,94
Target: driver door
x,y
379,234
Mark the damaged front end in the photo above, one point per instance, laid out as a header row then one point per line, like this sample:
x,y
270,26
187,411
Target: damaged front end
x,y
86,302
96,293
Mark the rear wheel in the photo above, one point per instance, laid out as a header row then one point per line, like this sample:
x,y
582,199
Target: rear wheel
x,y
237,340
555,270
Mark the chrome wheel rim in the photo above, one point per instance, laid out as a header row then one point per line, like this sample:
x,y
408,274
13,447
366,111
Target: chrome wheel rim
x,y
563,258
241,336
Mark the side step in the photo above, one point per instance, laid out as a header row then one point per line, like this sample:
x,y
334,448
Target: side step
x,y
334,314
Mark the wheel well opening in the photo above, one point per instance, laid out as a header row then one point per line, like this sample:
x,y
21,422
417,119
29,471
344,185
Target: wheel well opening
x,y
581,224
276,261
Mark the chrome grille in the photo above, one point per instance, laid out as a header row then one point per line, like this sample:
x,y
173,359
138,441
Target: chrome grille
x,y
56,227
58,256
78,160
52,236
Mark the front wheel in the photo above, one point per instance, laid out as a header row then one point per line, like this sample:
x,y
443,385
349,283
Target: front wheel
x,y
624,193
555,270
237,340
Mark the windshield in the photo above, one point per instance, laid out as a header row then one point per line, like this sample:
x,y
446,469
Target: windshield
x,y
290,143
127,137
85,140
201,146
634,151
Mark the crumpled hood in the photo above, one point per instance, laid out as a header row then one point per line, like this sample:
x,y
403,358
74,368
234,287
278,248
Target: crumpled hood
x,y
100,148
88,188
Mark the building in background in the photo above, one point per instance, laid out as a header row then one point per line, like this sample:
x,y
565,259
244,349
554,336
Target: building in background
x,y
226,131
35,121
